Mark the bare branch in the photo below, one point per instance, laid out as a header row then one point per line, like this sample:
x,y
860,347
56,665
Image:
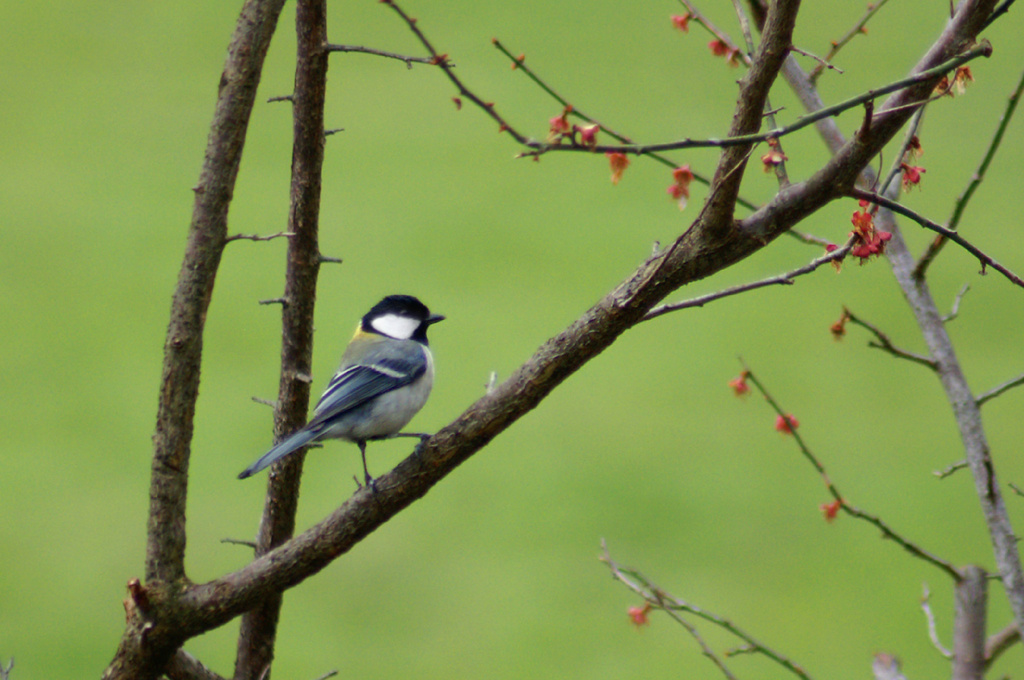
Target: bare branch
x,y
782,279
258,630
858,29
969,624
999,389
886,344
257,237
821,61
409,60
955,309
998,643
933,634
950,470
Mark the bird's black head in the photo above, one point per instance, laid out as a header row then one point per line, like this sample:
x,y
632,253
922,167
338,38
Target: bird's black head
x,y
402,317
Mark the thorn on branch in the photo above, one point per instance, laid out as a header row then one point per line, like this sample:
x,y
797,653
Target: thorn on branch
x,y
236,541
333,131
265,402
282,98
274,301
331,260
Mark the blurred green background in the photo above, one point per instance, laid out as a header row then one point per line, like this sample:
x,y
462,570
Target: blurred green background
x,y
495,573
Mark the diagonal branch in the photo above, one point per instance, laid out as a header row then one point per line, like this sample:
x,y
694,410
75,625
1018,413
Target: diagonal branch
x,y
894,206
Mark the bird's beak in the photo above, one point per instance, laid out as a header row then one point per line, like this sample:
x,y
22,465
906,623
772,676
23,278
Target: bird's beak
x,y
434,318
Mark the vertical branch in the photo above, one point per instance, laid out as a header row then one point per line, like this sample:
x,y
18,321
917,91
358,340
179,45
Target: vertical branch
x,y
970,16
776,38
259,626
144,650
179,384
969,624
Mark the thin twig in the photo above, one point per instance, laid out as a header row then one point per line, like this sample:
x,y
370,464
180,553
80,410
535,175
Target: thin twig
x,y
858,28
238,541
999,389
997,12
849,509
821,61
982,49
899,208
257,237
955,310
886,344
380,53
976,179
950,470
933,634
781,279
719,34
657,597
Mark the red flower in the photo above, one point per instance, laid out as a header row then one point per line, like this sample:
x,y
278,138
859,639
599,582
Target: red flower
x,y
838,329
682,21
720,48
680,187
869,241
588,134
911,175
639,614
830,510
739,385
559,126
786,424
772,159
618,163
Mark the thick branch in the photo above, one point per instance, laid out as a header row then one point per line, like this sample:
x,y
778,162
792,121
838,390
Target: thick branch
x,y
259,626
969,624
142,655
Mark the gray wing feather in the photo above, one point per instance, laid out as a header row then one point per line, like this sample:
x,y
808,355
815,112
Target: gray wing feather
x,y
356,385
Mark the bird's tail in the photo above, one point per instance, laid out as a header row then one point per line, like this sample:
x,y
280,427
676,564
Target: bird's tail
x,y
296,441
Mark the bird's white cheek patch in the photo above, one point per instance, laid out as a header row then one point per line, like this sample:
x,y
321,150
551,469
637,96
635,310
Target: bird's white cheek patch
x,y
395,326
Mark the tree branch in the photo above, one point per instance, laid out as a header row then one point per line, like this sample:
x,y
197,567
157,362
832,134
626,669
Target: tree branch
x,y
999,389
935,247
141,652
258,629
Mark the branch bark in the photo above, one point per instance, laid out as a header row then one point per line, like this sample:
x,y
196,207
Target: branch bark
x,y
258,629
143,651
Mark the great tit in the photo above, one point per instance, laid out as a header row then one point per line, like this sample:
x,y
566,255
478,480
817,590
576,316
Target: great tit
x,y
384,379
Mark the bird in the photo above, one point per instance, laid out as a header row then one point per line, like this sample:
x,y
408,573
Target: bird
x,y
384,379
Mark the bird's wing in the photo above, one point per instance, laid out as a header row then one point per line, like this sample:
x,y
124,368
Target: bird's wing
x,y
358,384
